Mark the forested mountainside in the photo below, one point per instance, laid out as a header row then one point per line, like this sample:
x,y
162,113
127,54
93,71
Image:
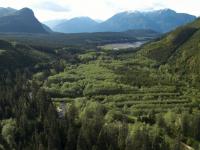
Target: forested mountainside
x,y
15,55
59,40
178,49
98,99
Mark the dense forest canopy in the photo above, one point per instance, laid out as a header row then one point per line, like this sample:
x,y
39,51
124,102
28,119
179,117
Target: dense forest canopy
x,y
89,98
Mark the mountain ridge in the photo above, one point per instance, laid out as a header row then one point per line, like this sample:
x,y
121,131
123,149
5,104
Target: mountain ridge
x,y
160,20
76,25
179,49
20,21
163,20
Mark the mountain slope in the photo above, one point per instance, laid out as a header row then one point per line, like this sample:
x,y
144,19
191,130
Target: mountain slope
x,y
76,25
14,56
55,40
161,21
179,49
47,28
186,59
53,23
21,21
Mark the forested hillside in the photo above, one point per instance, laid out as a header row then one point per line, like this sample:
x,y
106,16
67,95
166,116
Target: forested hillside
x,y
59,40
80,98
178,49
16,55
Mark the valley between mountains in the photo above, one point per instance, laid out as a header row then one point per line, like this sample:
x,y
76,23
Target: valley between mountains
x,y
120,89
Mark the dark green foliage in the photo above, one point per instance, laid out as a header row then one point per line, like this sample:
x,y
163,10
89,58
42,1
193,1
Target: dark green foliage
x,y
179,49
99,99
60,40
165,48
17,56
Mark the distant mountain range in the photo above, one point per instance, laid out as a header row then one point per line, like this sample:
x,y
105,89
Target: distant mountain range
x,y
53,23
76,25
161,21
20,21
24,21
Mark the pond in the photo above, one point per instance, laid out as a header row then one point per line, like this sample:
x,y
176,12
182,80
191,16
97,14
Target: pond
x,y
117,46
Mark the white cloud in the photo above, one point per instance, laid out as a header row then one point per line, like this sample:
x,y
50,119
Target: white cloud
x,y
98,9
51,6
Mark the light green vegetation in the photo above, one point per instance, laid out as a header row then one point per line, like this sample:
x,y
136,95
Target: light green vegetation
x,y
132,99
155,84
120,81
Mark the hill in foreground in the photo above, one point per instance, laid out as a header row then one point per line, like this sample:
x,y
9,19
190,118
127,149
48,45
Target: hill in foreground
x,y
178,49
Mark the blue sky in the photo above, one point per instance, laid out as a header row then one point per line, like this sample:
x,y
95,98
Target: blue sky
x,y
98,9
